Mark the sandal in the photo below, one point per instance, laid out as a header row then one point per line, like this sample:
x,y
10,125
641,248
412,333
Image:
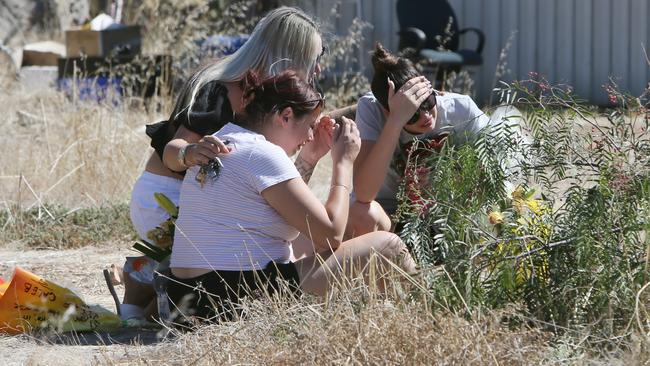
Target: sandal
x,y
109,282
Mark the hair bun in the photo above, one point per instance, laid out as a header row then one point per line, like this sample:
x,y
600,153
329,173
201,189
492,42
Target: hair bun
x,y
382,59
251,84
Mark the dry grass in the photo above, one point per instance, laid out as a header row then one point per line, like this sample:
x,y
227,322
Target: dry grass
x,y
69,152
74,153
352,328
79,154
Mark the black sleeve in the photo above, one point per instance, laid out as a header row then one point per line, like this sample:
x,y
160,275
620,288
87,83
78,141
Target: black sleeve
x,y
161,133
211,111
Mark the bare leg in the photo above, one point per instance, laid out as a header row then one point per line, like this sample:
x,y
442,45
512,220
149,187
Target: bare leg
x,y
365,218
137,293
302,247
151,310
353,258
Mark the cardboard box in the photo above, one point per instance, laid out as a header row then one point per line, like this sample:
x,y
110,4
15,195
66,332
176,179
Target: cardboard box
x,y
42,53
123,41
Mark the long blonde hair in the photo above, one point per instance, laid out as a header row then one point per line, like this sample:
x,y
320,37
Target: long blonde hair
x,y
283,39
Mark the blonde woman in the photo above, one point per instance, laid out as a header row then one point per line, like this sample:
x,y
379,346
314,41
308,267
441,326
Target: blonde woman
x,y
284,38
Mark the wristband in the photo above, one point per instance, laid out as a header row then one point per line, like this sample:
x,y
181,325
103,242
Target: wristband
x,y
340,185
181,156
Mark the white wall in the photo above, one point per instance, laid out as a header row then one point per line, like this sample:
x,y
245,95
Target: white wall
x,y
578,42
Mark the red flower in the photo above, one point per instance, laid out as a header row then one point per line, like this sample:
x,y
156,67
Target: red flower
x,y
612,98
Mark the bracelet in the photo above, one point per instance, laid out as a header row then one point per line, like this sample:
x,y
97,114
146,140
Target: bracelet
x,y
181,156
311,165
340,185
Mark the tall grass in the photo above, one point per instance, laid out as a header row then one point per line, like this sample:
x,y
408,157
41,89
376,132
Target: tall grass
x,y
352,325
70,152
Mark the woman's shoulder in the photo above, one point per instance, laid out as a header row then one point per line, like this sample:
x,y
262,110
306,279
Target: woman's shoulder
x,y
213,87
208,94
367,100
368,108
249,143
456,100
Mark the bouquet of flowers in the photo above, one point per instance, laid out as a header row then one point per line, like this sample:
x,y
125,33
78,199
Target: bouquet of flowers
x,y
162,237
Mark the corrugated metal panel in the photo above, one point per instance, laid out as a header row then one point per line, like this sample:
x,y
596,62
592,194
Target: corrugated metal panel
x,y
639,35
582,49
564,46
578,42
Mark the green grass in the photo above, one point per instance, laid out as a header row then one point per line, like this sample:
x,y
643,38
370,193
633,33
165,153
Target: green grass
x,y
57,227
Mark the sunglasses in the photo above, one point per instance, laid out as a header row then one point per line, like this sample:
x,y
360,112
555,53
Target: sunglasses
x,y
426,106
309,104
322,53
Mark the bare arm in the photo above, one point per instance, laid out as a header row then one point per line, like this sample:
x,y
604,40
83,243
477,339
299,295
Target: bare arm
x,y
372,164
315,149
348,112
324,224
374,159
199,150
305,168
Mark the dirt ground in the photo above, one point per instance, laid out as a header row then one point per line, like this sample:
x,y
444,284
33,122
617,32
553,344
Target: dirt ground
x,y
80,270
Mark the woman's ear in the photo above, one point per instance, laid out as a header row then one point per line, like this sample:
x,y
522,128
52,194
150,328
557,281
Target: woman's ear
x,y
286,114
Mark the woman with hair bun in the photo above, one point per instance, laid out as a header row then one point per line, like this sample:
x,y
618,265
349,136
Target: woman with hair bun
x,y
401,106
234,232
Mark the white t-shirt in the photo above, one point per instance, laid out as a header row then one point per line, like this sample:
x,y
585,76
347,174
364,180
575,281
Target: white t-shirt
x,y
457,114
227,224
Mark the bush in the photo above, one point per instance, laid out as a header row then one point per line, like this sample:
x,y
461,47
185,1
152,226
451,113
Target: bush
x,y
560,227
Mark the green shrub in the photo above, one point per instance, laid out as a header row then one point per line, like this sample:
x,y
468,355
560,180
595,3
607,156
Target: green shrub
x,y
560,228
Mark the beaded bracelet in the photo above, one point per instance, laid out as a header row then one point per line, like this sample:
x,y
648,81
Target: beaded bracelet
x,y
340,185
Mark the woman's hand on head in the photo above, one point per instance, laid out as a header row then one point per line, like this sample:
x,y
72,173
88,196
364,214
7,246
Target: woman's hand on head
x,y
322,142
347,141
405,102
207,148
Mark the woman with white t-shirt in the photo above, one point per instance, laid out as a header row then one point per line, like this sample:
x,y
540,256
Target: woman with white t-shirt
x,y
234,231
401,107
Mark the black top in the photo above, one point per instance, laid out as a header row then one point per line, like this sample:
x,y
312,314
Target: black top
x,y
211,111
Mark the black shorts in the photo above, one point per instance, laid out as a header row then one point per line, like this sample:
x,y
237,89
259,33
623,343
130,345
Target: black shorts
x,y
215,295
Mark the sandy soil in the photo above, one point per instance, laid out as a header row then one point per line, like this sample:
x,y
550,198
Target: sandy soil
x,y
80,270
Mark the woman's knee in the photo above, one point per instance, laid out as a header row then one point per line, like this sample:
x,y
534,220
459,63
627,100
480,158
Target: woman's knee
x,y
367,217
391,245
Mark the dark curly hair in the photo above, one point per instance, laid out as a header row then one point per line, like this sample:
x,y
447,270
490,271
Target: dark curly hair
x,y
274,94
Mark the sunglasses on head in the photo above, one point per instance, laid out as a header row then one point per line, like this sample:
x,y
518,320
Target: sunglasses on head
x,y
310,104
426,106
322,53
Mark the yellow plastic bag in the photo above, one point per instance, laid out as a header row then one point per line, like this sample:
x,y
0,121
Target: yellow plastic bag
x,y
3,286
29,302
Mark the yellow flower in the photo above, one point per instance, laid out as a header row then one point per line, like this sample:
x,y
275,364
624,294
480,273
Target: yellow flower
x,y
534,206
160,237
495,217
518,205
518,193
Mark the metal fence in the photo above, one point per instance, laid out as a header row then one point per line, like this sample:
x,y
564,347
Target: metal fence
x,y
582,43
